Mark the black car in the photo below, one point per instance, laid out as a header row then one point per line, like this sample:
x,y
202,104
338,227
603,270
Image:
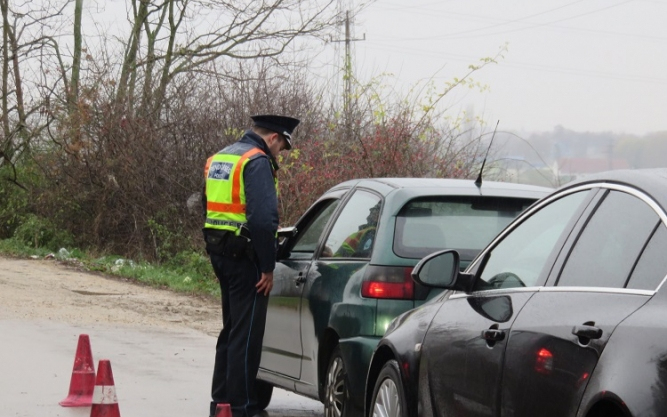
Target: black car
x,y
563,314
344,273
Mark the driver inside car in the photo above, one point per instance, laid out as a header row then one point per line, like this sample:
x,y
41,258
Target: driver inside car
x,y
359,243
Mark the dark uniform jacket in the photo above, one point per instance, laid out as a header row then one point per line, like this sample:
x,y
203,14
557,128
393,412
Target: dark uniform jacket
x,y
261,202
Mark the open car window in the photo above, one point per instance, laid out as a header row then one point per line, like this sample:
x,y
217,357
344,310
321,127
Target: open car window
x,y
312,228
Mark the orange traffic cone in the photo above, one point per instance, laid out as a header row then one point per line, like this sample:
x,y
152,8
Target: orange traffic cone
x,y
105,402
223,410
83,376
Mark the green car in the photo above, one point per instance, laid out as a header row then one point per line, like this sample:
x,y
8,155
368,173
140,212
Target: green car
x,y
343,274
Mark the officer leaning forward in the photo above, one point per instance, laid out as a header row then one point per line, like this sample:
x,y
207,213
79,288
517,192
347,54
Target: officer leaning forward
x,y
240,232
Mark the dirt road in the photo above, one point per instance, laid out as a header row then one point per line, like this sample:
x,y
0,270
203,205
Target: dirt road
x,y
46,289
161,344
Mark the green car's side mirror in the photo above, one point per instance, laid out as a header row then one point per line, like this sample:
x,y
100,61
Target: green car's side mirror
x,y
284,235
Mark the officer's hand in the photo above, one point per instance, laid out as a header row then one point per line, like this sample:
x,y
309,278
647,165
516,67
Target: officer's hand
x,y
265,283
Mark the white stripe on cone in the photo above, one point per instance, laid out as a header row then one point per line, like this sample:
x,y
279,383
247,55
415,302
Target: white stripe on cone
x,y
105,395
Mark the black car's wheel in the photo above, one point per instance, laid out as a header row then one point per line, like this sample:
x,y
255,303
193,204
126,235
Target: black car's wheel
x,y
388,394
336,395
264,392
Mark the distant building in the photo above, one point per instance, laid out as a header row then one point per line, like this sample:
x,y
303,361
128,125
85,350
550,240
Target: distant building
x,y
571,168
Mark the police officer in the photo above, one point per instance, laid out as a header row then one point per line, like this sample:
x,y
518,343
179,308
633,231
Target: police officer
x,y
359,243
240,232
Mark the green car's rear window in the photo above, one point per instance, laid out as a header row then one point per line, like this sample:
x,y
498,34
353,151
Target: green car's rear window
x,y
466,223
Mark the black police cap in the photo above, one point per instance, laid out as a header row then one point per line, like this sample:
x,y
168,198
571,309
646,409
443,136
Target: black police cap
x,y
284,125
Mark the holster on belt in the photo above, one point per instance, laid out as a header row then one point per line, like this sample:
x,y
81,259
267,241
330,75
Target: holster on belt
x,y
228,244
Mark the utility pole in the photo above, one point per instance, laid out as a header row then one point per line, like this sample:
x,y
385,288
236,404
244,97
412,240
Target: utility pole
x,y
348,74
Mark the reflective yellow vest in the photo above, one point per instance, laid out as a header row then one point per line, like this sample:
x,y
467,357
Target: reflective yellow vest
x,y
351,245
225,190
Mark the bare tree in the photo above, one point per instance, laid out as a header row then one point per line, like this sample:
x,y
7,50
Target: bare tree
x,y
120,131
23,39
178,37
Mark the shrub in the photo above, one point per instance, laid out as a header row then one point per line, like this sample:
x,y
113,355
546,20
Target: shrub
x,y
37,232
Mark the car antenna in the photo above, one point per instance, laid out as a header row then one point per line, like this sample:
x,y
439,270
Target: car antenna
x,y
478,181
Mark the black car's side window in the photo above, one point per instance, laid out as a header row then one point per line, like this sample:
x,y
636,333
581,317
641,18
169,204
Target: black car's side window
x,y
608,247
519,259
353,234
652,266
307,241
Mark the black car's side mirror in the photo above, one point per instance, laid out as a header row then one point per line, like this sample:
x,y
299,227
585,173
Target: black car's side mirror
x,y
441,270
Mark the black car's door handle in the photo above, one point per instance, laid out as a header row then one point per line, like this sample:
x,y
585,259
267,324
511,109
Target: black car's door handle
x,y
493,335
587,332
300,279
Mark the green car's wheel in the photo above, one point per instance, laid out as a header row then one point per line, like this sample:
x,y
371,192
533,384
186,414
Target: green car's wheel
x,y
336,395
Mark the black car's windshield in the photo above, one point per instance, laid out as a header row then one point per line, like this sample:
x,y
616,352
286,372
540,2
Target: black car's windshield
x,y
466,223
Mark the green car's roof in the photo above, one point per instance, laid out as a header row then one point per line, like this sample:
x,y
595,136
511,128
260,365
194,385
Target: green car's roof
x,y
397,192
446,186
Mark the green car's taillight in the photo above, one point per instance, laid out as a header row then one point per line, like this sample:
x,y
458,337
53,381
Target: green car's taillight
x,y
388,282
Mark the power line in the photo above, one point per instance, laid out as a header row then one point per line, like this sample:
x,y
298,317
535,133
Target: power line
x,y
532,26
534,67
521,19
502,22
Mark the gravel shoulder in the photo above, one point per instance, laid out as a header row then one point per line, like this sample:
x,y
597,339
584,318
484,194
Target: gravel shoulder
x,y
47,289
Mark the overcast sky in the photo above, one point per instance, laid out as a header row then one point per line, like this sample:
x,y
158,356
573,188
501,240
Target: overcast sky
x,y
587,65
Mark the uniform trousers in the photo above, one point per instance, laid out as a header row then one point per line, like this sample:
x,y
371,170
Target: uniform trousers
x,y
239,346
